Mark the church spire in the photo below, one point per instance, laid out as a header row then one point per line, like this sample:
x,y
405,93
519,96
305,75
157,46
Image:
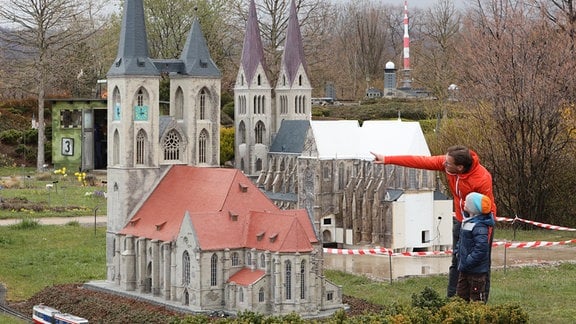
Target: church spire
x,y
132,57
252,51
293,55
196,56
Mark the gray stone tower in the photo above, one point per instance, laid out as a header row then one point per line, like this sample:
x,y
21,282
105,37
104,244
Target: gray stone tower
x,y
142,143
260,109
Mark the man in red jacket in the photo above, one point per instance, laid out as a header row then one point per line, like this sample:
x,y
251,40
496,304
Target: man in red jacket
x,y
465,174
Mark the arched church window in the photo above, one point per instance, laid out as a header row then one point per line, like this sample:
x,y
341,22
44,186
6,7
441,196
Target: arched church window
x,y
116,151
288,279
172,146
303,280
186,268
300,80
259,79
203,104
259,132
258,164
179,104
235,259
242,132
262,261
203,146
261,295
141,147
116,99
214,270
140,98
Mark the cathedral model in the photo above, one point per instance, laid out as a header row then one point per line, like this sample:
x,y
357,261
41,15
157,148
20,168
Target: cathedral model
x,y
180,229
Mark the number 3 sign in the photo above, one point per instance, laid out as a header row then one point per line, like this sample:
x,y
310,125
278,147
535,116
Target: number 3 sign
x,y
67,146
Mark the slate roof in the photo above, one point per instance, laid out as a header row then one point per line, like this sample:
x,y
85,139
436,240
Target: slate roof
x,y
290,137
132,57
252,50
293,55
196,56
225,210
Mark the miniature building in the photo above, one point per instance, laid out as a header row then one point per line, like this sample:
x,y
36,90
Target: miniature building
x,y
181,230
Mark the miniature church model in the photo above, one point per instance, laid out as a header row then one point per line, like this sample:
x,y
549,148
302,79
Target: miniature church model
x,y
180,229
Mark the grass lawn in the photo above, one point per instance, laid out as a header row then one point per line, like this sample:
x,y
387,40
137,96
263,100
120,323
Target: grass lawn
x,y
27,194
35,256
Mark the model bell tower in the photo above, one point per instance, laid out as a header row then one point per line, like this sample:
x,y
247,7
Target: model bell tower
x,y
133,116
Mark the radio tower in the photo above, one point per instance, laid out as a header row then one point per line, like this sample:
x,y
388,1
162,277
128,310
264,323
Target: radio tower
x,y
407,80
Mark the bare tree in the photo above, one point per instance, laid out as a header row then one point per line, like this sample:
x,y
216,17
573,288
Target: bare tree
x,y
518,83
40,32
436,50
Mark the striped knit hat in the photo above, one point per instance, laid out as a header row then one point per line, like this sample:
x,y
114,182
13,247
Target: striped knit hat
x,y
477,203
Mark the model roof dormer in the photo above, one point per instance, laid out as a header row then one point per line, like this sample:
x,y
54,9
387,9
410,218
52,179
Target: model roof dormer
x,y
252,51
196,56
132,57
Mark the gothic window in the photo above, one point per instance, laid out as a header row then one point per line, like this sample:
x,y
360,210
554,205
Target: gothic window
x,y
116,99
296,105
327,172
288,279
303,104
263,100
303,280
235,259
300,80
203,104
242,79
284,79
213,270
140,98
259,79
116,152
255,104
203,146
179,104
241,294
186,268
262,261
341,176
261,295
259,132
249,258
258,164
242,132
172,146
141,147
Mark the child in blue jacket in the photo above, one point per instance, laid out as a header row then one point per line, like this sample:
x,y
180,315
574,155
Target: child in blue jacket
x,y
474,248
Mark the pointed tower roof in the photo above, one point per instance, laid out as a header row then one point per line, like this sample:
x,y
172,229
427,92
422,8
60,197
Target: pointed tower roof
x,y
293,54
132,57
196,56
252,51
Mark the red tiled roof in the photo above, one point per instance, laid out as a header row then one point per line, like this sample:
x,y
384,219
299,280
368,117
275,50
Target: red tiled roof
x,y
226,211
246,276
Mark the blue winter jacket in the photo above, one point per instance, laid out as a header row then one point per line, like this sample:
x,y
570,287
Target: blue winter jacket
x,y
473,248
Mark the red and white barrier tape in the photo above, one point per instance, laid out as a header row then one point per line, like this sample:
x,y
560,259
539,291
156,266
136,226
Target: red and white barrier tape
x,y
384,251
546,226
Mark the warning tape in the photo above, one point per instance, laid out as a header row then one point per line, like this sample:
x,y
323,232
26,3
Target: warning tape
x,y
384,251
543,225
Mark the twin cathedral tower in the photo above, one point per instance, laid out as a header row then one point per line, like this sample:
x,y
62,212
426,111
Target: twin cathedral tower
x,y
143,143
